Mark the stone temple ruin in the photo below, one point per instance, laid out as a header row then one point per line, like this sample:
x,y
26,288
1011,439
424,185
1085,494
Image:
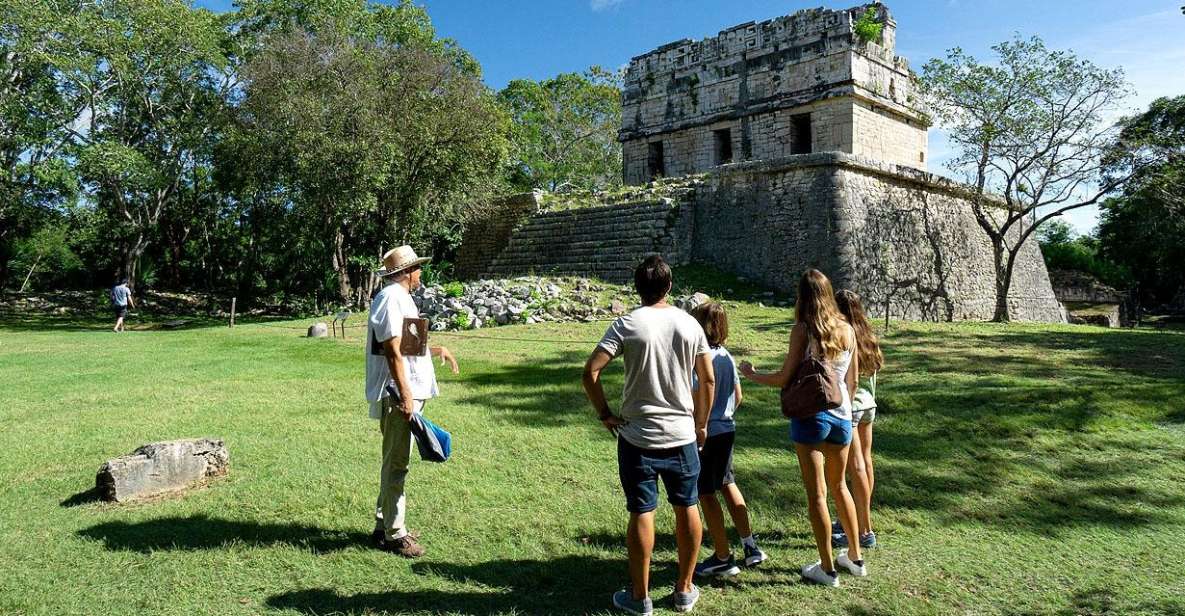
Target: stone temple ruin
x,y
796,144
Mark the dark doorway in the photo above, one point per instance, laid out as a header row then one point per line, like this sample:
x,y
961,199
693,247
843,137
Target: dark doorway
x,y
723,138
655,161
801,140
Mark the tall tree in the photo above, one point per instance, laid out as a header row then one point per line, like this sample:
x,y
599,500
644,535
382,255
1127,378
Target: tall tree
x,y
36,114
152,131
1143,227
1030,134
565,130
378,129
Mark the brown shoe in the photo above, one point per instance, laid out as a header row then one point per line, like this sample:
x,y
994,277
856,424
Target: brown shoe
x,y
405,546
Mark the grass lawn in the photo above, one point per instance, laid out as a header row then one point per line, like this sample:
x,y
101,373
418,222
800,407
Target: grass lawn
x,y
1021,470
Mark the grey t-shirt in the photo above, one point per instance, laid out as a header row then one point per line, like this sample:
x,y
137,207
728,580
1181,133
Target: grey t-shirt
x,y
120,294
659,347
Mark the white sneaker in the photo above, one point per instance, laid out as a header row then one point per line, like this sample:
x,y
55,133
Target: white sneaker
x,y
850,566
815,574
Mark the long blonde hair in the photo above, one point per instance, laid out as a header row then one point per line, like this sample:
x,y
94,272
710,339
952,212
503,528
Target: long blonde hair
x,y
815,308
871,358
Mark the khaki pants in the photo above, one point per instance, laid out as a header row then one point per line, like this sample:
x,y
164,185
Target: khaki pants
x,y
391,508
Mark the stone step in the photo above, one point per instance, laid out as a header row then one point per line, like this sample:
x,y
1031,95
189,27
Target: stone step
x,y
606,210
611,224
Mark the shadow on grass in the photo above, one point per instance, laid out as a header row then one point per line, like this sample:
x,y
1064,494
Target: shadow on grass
x,y
567,585
204,533
85,497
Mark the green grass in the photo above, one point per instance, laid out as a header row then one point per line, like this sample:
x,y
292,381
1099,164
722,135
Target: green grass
x,y
1021,470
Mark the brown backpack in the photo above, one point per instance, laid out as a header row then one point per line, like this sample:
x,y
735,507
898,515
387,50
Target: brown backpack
x,y
813,388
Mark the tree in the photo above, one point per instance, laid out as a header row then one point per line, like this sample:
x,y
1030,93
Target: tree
x,y
36,113
378,130
1030,136
564,131
151,132
46,248
1142,227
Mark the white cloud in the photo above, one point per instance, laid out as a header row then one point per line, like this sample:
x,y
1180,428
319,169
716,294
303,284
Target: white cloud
x,y
603,5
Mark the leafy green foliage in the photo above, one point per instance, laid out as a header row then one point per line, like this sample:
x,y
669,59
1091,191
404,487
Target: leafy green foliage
x,y
1142,227
869,27
564,131
1065,251
454,289
1030,130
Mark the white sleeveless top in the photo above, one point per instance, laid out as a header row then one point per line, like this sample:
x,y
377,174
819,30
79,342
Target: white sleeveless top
x,y
840,366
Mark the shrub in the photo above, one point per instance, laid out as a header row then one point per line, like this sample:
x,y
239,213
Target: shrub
x,y
868,28
454,289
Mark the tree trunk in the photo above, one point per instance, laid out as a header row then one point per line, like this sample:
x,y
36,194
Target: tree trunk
x,y
1005,263
131,257
341,265
30,274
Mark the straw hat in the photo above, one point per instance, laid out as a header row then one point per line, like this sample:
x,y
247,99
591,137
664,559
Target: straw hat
x,y
398,259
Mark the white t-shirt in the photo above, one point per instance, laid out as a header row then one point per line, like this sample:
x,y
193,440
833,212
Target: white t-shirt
x,y
659,347
387,312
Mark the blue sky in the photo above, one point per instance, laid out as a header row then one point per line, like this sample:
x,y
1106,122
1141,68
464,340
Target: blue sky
x,y
537,39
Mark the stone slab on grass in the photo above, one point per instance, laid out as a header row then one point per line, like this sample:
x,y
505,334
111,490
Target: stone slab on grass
x,y
158,468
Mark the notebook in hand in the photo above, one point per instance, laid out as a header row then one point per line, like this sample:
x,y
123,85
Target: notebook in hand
x,y
413,341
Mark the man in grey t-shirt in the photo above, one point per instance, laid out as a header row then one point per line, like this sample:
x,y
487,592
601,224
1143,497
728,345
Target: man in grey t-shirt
x,y
121,298
661,424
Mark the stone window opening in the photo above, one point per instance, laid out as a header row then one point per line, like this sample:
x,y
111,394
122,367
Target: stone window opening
x,y
723,140
921,157
800,141
655,164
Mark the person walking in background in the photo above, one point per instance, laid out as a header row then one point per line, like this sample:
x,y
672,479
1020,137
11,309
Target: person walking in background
x,y
413,381
822,440
716,473
660,424
121,300
860,470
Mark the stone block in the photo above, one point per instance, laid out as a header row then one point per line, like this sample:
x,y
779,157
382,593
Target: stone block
x,y
318,330
162,467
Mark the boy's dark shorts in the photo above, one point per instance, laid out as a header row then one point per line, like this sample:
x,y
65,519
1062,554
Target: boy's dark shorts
x,y
716,462
120,311
640,469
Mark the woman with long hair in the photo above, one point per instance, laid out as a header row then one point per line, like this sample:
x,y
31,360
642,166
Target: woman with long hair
x,y
821,441
860,469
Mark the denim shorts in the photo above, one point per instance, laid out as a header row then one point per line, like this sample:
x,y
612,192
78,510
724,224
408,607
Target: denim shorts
x,y
640,469
823,427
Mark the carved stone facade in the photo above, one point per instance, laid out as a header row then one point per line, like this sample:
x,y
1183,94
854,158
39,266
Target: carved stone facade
x,y
797,84
813,156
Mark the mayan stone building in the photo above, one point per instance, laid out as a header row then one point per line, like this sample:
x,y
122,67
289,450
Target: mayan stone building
x,y
793,85
785,144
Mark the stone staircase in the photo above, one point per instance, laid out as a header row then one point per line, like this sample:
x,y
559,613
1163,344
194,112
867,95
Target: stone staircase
x,y
606,241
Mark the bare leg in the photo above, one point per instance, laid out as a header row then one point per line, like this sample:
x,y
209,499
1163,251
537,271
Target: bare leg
x,y
118,324
688,535
865,430
639,539
861,495
714,517
810,462
737,509
835,459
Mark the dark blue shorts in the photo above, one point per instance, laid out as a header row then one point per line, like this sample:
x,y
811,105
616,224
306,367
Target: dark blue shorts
x,y
640,469
822,427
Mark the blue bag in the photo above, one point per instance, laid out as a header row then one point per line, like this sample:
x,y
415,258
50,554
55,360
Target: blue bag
x,y
435,444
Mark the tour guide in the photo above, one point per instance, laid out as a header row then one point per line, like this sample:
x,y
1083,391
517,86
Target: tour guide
x,y
660,424
414,381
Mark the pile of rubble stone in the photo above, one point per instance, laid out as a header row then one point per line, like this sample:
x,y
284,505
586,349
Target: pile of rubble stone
x,y
527,299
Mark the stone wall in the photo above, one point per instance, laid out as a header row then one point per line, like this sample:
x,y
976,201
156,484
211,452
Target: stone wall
x,y
905,240
753,78
606,241
486,237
